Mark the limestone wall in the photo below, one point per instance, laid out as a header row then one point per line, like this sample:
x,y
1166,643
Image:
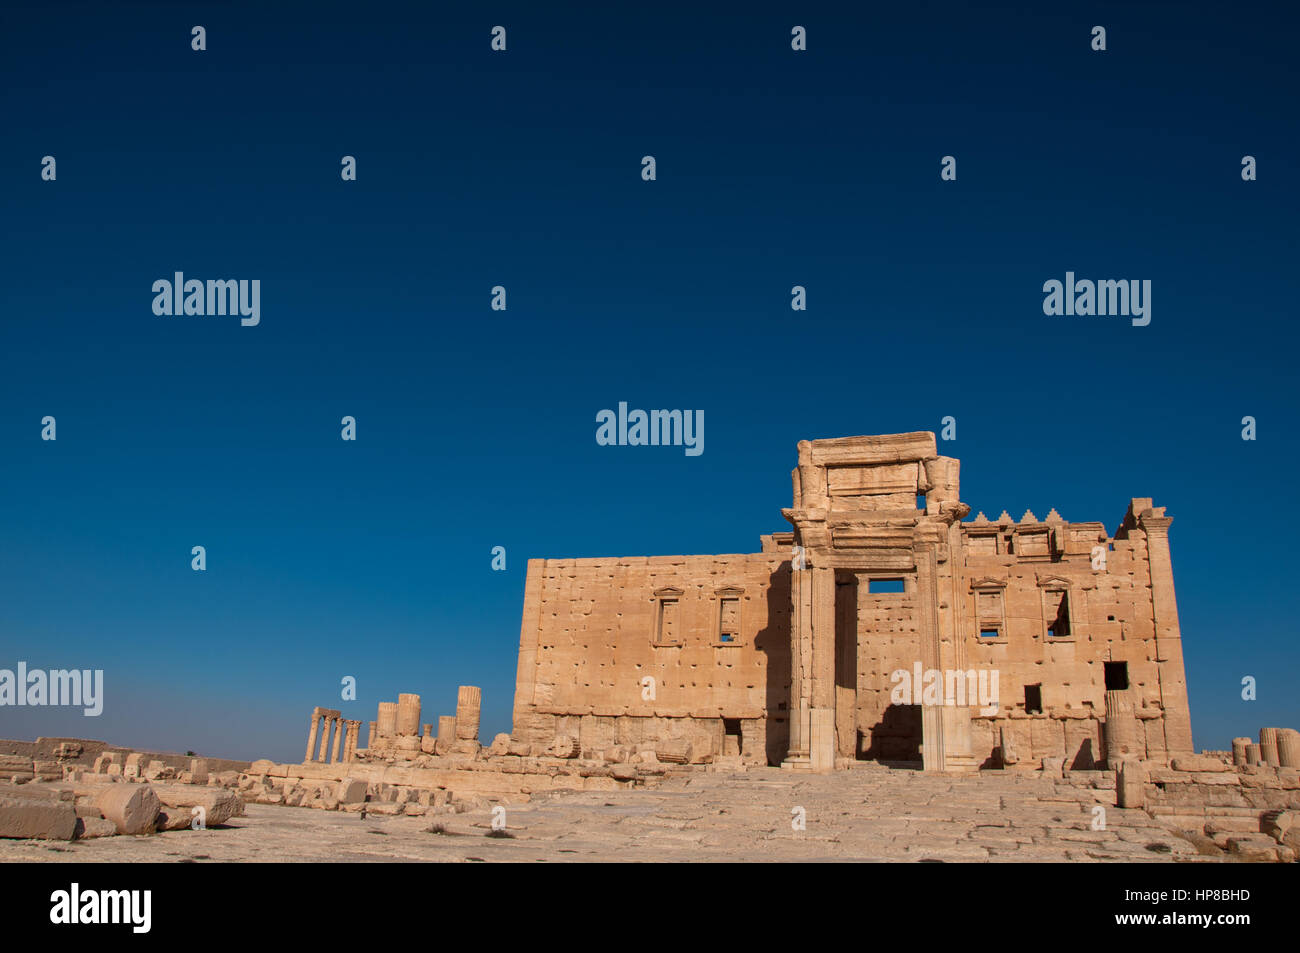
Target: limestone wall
x,y
1014,575
713,632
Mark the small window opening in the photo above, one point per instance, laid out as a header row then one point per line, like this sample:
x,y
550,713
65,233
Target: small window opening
x,y
666,630
878,586
1033,699
1058,614
1116,676
729,620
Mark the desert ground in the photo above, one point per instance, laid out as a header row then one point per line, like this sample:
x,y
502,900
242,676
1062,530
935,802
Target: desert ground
x,y
872,813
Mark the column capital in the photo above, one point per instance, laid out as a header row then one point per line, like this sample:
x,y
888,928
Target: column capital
x,y
1154,525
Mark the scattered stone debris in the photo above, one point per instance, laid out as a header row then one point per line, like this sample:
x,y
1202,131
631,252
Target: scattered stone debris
x,y
88,805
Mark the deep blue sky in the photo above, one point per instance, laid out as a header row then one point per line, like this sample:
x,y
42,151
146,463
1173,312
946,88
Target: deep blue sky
x,y
476,428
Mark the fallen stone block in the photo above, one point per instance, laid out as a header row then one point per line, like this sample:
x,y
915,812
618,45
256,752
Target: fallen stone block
x,y
564,748
219,805
175,818
88,827
1199,762
46,818
1253,847
673,751
351,791
133,808
1276,824
618,754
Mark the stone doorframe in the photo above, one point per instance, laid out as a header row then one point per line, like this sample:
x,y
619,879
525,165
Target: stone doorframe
x,y
855,508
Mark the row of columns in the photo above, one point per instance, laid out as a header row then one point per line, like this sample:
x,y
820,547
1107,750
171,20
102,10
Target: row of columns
x,y
1279,747
345,736
401,719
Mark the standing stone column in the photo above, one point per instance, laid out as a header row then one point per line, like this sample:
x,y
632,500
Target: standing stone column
x,y
408,715
468,701
1130,784
1252,754
338,738
933,749
311,738
1120,732
1239,751
325,739
350,740
800,665
946,740
821,718
446,733
1268,746
373,735
1169,640
387,719
1288,748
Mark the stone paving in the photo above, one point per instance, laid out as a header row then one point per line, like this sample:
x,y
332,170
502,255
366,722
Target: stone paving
x,y
867,814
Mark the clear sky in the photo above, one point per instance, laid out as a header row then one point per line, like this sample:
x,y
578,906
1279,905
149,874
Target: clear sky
x,y
476,428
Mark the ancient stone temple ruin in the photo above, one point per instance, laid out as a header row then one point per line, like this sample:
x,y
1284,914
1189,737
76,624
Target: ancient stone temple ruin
x,y
884,625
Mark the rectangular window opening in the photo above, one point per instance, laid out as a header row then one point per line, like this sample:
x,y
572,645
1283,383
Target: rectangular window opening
x,y
879,586
729,620
1033,699
989,633
1056,607
666,630
1116,676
